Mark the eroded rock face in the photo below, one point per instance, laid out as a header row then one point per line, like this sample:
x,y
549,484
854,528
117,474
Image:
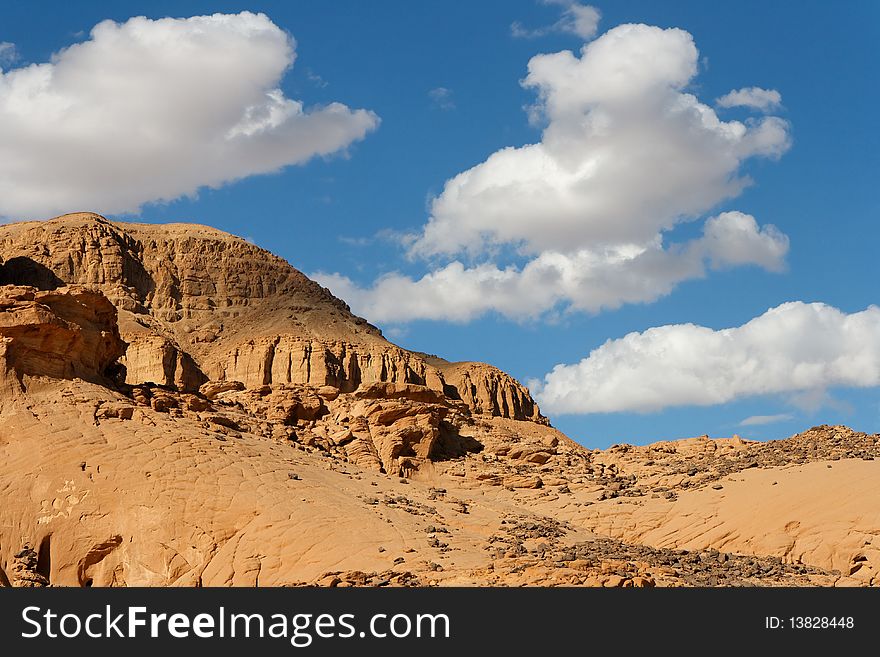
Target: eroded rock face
x,y
196,304
66,333
343,365
390,428
157,359
489,391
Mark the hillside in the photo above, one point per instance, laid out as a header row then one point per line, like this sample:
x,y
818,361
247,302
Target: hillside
x,y
181,408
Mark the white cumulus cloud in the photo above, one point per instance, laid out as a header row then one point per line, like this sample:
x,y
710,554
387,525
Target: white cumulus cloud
x,y
580,20
586,280
151,110
765,100
794,348
626,155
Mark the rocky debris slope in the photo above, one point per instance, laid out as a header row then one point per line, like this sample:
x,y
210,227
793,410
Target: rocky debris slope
x,y
390,428
668,467
614,564
605,563
196,304
819,513
803,499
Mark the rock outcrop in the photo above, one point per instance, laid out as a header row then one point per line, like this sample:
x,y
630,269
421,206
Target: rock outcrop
x,y
489,391
25,569
66,333
156,359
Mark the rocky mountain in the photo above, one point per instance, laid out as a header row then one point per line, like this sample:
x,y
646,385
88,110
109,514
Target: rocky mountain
x,y
196,304
181,408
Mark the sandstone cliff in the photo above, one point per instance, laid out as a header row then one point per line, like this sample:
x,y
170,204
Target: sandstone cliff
x,y
196,304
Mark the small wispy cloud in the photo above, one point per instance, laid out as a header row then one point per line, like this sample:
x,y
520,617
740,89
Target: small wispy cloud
x,y
757,98
385,235
355,241
758,420
578,19
316,79
8,53
396,332
442,98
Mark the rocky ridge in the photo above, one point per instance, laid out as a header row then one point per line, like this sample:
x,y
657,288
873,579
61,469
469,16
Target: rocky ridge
x,y
196,304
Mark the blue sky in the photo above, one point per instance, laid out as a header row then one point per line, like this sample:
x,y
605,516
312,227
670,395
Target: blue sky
x,y
344,213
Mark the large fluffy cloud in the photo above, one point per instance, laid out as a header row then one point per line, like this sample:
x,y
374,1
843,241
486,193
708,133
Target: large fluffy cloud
x,y
626,155
585,280
793,348
150,110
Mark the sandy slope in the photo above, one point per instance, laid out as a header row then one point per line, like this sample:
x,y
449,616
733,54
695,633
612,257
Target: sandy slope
x,y
163,500
823,513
